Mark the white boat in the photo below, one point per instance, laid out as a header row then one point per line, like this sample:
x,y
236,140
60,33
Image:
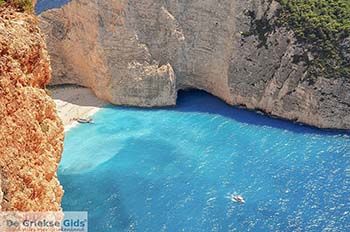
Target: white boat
x,y
84,120
237,198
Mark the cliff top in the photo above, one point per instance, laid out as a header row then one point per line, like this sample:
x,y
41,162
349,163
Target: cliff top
x,y
322,26
22,5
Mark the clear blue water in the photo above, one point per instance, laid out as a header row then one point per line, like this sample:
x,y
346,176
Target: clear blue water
x,y
43,5
172,170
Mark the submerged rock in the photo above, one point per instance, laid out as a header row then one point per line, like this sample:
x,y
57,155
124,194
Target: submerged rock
x,y
141,52
31,134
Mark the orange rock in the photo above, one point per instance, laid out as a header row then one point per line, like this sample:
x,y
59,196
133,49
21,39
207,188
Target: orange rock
x,y
31,134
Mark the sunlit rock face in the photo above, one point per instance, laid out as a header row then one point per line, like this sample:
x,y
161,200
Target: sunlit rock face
x,y
141,52
92,45
31,134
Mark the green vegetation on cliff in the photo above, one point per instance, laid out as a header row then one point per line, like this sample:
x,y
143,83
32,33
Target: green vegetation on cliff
x,y
324,25
22,5
317,19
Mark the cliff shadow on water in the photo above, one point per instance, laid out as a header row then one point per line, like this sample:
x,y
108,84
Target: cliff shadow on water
x,y
203,102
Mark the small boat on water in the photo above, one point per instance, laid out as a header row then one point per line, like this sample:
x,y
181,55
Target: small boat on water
x,y
84,120
238,199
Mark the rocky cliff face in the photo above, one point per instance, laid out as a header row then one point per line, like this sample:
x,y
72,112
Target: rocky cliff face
x,y
141,52
31,134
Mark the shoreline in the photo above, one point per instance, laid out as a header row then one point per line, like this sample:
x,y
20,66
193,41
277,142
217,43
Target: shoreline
x,y
74,102
71,124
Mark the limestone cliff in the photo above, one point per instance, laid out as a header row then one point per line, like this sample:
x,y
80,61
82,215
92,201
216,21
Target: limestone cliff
x,y
31,134
141,52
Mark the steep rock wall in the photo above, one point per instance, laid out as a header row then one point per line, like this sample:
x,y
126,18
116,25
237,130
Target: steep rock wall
x,y
141,52
31,134
92,46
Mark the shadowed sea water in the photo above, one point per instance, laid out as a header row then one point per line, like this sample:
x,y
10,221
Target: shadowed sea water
x,y
172,169
44,5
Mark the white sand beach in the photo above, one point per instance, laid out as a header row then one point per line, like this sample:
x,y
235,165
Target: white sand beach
x,y
74,102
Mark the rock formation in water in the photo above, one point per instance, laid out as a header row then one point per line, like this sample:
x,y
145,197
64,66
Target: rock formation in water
x,y
142,52
31,134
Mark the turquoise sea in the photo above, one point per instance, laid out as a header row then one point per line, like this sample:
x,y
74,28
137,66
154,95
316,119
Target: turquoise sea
x,y
172,169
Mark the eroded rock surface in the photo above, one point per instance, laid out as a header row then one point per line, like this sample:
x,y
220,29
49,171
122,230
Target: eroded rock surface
x,y
141,52
31,134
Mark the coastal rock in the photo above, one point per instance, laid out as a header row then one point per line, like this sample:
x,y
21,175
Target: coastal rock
x,y
31,134
1,192
141,52
93,47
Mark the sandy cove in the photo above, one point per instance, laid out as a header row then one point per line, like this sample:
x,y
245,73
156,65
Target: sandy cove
x,y
74,102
